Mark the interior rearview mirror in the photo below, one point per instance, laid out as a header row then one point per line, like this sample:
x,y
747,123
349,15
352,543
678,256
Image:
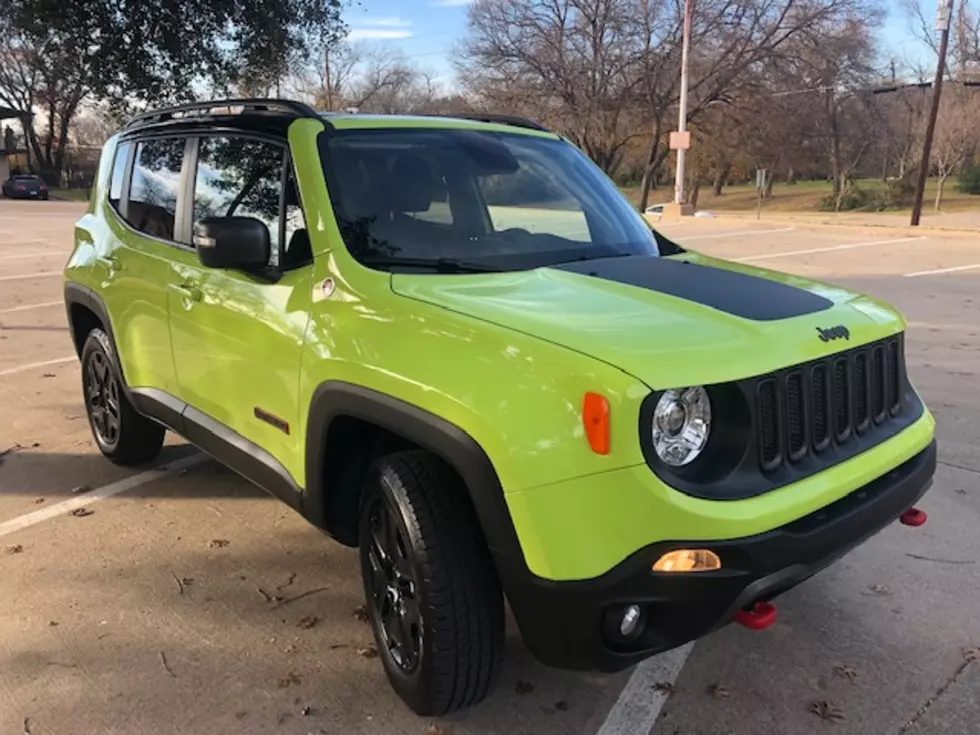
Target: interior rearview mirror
x,y
232,242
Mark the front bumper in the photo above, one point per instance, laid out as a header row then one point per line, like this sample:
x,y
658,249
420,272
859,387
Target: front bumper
x,y
561,622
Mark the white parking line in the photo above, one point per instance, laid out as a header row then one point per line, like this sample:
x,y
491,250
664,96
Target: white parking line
x,y
42,274
849,246
33,365
736,233
943,270
639,703
21,256
28,307
107,491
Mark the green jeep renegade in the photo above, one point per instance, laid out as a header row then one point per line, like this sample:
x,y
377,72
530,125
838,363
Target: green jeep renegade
x,y
453,344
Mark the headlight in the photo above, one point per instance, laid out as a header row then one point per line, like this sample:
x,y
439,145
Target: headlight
x,y
681,424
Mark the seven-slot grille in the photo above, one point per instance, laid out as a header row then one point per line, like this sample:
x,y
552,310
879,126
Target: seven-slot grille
x,y
805,409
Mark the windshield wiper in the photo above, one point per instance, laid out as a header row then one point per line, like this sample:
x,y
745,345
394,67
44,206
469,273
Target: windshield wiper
x,y
440,265
583,258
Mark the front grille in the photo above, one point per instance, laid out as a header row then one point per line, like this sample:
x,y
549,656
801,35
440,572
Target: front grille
x,y
806,409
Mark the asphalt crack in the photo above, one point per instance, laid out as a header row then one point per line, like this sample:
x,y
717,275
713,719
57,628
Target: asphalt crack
x,y
913,721
959,466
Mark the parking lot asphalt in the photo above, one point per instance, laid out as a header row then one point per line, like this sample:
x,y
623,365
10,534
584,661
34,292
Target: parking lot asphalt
x,y
187,601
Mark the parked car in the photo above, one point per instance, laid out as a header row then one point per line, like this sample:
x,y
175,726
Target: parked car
x,y
25,186
453,344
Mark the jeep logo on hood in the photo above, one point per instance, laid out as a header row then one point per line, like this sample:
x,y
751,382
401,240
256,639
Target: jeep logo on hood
x,y
838,332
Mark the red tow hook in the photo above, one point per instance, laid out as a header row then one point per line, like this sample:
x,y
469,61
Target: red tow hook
x,y
913,517
759,617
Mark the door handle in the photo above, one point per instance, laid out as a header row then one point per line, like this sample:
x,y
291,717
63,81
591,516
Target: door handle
x,y
188,292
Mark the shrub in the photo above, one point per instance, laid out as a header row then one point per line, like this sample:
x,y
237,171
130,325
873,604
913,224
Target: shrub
x,y
853,199
969,180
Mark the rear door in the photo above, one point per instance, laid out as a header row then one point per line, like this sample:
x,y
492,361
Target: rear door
x,y
238,337
132,262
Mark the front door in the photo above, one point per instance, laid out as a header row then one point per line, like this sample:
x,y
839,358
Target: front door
x,y
238,337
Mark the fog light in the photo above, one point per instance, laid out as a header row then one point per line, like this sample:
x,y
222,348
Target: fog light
x,y
631,619
688,560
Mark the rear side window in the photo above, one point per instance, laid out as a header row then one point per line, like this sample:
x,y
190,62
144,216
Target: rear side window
x,y
239,177
155,182
118,173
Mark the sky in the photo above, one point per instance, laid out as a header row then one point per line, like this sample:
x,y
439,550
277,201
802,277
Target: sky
x,y
425,30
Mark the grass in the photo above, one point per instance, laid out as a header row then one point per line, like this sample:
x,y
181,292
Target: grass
x,y
71,195
805,196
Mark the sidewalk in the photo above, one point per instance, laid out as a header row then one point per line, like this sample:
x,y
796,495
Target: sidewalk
x,y
931,223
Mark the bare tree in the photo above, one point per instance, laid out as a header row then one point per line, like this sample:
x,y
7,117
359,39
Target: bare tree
x,y
957,134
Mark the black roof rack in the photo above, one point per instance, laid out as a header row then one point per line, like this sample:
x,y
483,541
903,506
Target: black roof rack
x,y
515,120
192,110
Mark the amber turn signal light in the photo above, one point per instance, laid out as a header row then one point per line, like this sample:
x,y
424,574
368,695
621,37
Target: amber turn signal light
x,y
688,560
595,419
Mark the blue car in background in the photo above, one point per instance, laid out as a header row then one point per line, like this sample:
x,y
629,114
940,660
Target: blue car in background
x,y
25,186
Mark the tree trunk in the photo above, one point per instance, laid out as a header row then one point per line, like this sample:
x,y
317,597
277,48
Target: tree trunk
x,y
719,181
767,191
939,190
791,175
696,192
654,158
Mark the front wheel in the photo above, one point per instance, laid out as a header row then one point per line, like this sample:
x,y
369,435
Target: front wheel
x,y
123,435
434,599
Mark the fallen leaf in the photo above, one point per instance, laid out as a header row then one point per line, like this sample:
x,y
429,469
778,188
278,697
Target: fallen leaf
x,y
523,687
826,710
47,375
879,589
289,679
360,613
81,512
307,621
961,491
306,711
35,445
438,730
14,549
38,501
971,654
718,691
846,672
664,686
52,624
218,543
81,489
367,652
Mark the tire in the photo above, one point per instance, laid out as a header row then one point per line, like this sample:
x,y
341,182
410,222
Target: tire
x,y
123,435
423,553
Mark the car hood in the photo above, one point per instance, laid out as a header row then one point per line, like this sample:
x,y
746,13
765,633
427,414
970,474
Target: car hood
x,y
680,320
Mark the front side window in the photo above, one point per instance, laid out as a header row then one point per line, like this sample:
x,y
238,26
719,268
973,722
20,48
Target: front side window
x,y
239,177
489,200
153,190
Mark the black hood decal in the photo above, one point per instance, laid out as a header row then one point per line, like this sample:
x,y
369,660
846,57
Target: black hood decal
x,y
739,294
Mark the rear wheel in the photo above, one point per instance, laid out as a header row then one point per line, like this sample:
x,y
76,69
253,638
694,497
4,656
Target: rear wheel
x,y
433,596
123,435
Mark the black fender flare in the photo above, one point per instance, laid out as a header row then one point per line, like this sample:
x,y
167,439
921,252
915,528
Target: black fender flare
x,y
333,399
76,293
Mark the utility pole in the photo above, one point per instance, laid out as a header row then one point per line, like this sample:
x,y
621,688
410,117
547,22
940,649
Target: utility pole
x,y
682,122
943,16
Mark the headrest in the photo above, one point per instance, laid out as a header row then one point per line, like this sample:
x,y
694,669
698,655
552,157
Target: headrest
x,y
410,186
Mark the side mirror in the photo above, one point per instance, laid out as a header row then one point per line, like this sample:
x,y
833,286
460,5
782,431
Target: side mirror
x,y
232,242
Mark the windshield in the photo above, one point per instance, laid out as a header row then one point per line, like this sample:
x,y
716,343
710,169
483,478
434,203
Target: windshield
x,y
476,200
